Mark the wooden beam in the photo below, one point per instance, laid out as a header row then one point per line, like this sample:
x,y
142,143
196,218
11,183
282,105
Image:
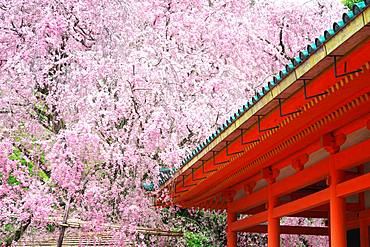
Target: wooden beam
x,y
319,212
245,223
302,204
354,186
351,207
250,201
302,179
299,180
301,230
353,156
311,214
348,158
255,210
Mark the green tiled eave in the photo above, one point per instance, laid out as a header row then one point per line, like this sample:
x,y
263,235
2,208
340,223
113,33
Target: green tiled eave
x,y
164,174
351,23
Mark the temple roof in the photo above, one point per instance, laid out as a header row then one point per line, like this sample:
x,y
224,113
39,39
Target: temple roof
x,y
240,117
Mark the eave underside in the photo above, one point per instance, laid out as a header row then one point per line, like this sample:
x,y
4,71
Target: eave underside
x,y
338,46
317,116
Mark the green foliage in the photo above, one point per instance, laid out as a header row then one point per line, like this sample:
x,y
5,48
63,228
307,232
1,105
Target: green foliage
x,y
350,3
201,228
41,173
43,176
195,239
122,123
50,227
17,155
14,233
8,227
42,158
12,180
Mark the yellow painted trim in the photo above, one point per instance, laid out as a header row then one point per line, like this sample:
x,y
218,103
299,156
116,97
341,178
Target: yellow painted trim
x,y
340,37
314,59
337,40
366,15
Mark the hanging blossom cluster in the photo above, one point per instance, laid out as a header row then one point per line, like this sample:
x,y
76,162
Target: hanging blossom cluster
x,y
96,96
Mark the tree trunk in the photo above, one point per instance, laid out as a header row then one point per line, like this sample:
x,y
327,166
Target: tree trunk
x,y
63,226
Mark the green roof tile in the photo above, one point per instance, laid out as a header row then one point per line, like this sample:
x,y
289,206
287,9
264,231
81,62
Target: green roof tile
x,y
328,33
320,40
311,48
303,55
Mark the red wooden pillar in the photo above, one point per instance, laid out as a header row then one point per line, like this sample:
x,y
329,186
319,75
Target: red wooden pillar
x,y
364,233
329,228
364,228
273,224
231,236
338,230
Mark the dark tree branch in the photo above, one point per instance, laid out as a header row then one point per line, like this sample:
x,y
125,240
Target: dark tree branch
x,y
19,232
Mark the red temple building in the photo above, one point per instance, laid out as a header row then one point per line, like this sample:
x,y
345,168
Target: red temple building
x,y
299,148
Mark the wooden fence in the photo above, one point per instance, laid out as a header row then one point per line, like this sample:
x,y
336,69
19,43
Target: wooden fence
x,y
92,238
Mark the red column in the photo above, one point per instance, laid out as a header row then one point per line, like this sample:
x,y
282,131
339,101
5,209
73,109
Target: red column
x,y
231,236
329,228
364,233
364,228
338,230
273,224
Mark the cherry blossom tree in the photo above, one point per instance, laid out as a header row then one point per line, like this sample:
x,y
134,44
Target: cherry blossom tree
x,y
97,96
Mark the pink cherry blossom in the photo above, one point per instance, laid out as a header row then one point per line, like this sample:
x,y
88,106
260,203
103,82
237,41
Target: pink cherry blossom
x,y
97,96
